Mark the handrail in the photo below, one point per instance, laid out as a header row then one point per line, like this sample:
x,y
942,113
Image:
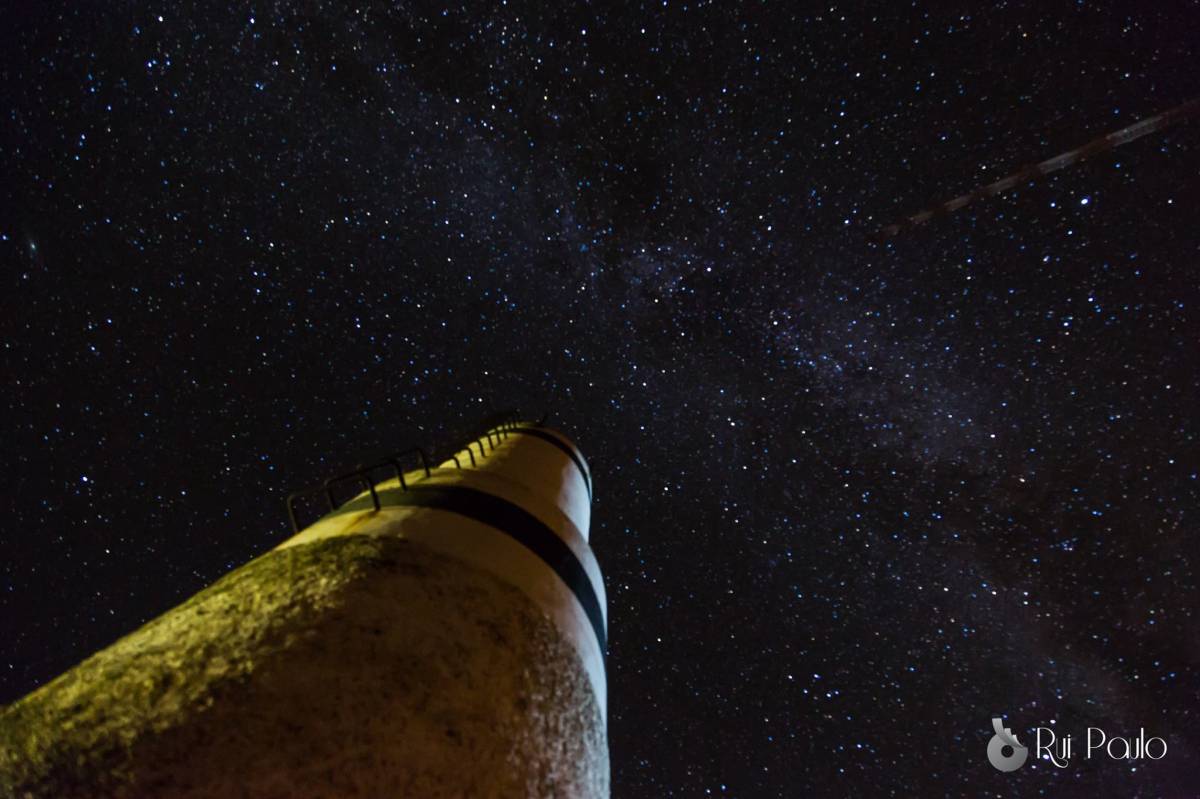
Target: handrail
x,y
501,429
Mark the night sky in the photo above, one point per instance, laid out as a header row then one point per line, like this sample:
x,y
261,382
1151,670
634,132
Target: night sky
x,y
853,499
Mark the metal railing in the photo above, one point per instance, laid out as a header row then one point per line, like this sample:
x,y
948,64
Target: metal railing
x,y
365,476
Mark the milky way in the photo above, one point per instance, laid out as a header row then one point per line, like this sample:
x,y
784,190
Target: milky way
x,y
853,499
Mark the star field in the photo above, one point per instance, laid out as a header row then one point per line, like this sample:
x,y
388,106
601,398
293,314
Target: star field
x,y
853,499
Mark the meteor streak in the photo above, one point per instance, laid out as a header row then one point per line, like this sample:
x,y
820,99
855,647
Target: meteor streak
x,y
1034,171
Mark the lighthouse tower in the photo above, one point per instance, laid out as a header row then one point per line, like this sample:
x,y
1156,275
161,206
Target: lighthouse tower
x,y
438,632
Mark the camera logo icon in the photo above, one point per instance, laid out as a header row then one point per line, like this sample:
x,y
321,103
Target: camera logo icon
x,y
1004,750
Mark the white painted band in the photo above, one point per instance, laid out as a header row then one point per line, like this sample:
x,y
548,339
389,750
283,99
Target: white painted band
x,y
524,470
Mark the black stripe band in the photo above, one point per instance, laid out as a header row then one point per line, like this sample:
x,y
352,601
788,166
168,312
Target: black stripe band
x,y
508,518
558,442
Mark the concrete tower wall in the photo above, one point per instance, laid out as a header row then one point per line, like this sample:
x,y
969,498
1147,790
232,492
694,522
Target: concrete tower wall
x,y
448,644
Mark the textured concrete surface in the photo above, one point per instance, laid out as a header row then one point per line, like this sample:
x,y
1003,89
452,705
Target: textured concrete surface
x,y
350,666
